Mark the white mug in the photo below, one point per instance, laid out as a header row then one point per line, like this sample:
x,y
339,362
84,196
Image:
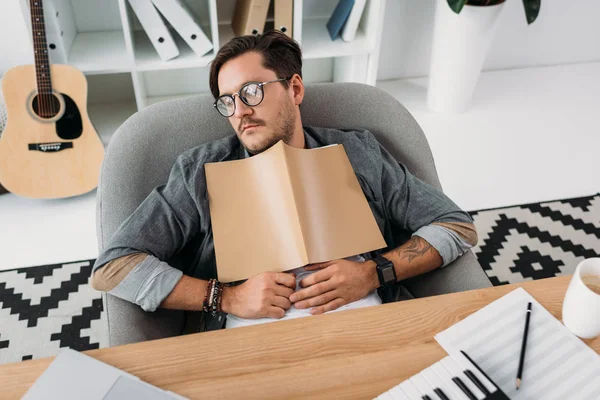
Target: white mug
x,y
581,307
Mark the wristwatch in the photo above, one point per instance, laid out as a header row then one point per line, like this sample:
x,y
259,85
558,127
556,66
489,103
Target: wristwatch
x,y
385,271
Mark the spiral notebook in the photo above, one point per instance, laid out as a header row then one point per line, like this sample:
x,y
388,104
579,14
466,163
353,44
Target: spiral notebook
x,y
558,365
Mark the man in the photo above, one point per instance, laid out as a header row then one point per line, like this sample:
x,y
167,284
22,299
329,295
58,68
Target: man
x,y
257,84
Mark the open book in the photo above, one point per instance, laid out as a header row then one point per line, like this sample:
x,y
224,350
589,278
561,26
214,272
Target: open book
x,y
286,208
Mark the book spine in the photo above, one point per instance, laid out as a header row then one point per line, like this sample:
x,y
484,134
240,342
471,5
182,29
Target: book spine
x,y
286,151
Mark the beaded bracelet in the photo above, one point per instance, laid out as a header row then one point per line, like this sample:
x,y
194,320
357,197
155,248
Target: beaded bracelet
x,y
217,297
207,300
220,300
213,297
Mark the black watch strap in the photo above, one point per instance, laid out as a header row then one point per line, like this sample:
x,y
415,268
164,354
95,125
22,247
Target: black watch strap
x,y
385,271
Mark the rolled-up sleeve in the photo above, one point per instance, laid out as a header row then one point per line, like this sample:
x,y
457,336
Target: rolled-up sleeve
x,y
424,210
148,284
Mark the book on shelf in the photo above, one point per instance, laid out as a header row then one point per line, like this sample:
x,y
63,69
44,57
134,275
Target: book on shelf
x,y
155,28
351,26
186,25
291,207
249,17
339,17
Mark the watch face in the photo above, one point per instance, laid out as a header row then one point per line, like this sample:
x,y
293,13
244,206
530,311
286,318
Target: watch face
x,y
388,274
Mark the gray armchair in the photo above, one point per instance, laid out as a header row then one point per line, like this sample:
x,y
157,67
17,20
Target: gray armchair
x,y
143,150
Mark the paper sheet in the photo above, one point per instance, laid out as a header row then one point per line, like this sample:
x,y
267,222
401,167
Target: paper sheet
x,y
558,365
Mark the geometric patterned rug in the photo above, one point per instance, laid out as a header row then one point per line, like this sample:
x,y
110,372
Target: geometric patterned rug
x,y
48,307
45,308
539,240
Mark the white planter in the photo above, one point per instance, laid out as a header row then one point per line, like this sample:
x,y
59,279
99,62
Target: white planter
x,y
460,43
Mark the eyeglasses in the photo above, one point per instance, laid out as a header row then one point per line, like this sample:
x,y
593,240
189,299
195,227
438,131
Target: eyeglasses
x,y
251,94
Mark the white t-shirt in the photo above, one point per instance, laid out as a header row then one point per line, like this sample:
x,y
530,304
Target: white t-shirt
x,y
372,299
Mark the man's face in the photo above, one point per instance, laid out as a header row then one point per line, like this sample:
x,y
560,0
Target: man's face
x,y
261,126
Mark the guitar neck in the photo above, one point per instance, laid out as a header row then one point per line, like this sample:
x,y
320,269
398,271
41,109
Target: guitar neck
x,y
40,47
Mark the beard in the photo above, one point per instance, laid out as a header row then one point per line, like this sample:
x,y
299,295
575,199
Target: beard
x,y
283,129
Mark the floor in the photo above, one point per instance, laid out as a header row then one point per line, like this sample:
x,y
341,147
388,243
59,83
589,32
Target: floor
x,y
531,135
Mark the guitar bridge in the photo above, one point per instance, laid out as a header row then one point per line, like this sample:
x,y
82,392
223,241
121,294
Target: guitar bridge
x,y
50,147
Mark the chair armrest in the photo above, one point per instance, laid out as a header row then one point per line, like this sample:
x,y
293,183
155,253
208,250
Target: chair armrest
x,y
128,323
463,274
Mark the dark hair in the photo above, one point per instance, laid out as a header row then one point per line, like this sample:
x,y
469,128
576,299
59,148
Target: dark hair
x,y
280,54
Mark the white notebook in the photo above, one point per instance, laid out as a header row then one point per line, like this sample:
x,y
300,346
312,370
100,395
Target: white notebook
x,y
558,365
73,375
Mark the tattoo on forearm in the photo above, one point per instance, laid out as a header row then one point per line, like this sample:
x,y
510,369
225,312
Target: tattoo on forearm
x,y
415,247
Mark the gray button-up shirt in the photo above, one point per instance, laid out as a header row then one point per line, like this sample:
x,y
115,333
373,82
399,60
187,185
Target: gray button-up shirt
x,y
173,224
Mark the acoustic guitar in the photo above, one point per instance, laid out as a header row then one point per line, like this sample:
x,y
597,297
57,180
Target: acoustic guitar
x,y
49,148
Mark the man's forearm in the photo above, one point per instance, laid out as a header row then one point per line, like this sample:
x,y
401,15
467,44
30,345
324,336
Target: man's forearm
x,y
415,257
187,295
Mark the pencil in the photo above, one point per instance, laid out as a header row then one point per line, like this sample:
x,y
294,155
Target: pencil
x,y
523,346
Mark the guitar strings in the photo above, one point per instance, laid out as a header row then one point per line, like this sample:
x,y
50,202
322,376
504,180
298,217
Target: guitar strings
x,y
36,47
37,12
44,63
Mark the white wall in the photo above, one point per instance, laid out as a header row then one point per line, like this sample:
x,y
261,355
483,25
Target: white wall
x,y
565,32
15,45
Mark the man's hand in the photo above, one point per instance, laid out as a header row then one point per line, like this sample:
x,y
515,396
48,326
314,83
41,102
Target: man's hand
x,y
338,283
263,295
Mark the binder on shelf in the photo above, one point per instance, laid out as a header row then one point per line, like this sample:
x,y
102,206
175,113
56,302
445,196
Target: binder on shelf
x,y
284,16
351,25
60,30
183,21
339,17
249,17
155,28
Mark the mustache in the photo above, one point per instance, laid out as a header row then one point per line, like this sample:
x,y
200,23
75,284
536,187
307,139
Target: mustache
x,y
249,122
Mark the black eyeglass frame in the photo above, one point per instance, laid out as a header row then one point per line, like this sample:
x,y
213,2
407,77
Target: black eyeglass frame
x,y
239,94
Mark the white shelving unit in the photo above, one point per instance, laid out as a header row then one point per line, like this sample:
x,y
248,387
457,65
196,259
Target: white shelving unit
x,y
100,53
112,49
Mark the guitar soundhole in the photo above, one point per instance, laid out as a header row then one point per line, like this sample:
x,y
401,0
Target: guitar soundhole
x,y
46,105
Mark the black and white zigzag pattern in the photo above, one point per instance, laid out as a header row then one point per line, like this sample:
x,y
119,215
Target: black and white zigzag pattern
x,y
538,240
48,307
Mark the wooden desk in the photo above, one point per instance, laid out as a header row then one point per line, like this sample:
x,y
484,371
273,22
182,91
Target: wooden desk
x,y
351,354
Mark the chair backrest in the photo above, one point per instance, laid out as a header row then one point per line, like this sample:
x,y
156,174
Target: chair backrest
x,y
143,150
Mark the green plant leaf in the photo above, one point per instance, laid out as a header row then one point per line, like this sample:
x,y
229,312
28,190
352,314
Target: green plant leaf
x,y
532,9
457,5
